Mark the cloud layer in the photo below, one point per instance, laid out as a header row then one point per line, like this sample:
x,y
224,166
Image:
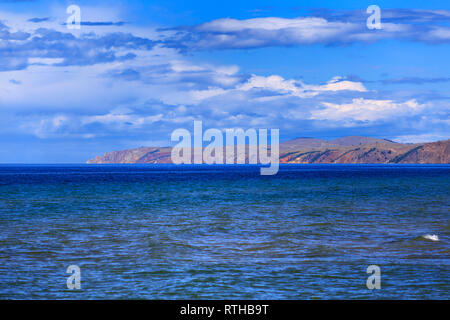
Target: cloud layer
x,y
122,87
326,28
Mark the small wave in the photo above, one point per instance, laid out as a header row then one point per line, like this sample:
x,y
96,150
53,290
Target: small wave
x,y
432,237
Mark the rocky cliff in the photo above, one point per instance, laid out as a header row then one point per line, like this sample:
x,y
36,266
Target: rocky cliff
x,y
138,155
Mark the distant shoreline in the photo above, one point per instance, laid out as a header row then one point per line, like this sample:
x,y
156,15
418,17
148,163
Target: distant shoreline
x,y
348,150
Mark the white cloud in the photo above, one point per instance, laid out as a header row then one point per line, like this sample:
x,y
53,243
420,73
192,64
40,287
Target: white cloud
x,y
337,84
361,109
230,33
165,86
122,119
302,26
299,88
45,61
439,34
199,95
419,138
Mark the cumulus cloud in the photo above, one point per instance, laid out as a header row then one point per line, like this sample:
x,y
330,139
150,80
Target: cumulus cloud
x,y
361,109
7,35
259,32
298,88
17,48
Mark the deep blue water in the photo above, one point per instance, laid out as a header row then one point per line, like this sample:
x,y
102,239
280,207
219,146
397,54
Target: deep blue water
x,y
173,232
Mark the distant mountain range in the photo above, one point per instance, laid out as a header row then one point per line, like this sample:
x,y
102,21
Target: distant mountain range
x,y
353,149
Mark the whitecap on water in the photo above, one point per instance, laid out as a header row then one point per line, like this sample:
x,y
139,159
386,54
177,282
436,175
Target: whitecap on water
x,y
432,237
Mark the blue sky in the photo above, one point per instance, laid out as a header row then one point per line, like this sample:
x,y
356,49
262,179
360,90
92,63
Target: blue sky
x,y
137,70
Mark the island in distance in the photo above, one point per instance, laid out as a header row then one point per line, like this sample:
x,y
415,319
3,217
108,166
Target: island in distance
x,y
353,149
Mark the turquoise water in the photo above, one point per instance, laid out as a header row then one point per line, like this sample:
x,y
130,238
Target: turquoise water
x,y
203,232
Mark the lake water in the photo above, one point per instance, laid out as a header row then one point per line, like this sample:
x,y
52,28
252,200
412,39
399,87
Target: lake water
x,y
224,232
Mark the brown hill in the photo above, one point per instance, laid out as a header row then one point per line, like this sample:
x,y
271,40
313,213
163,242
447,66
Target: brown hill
x,y
358,140
138,155
435,152
308,150
305,143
